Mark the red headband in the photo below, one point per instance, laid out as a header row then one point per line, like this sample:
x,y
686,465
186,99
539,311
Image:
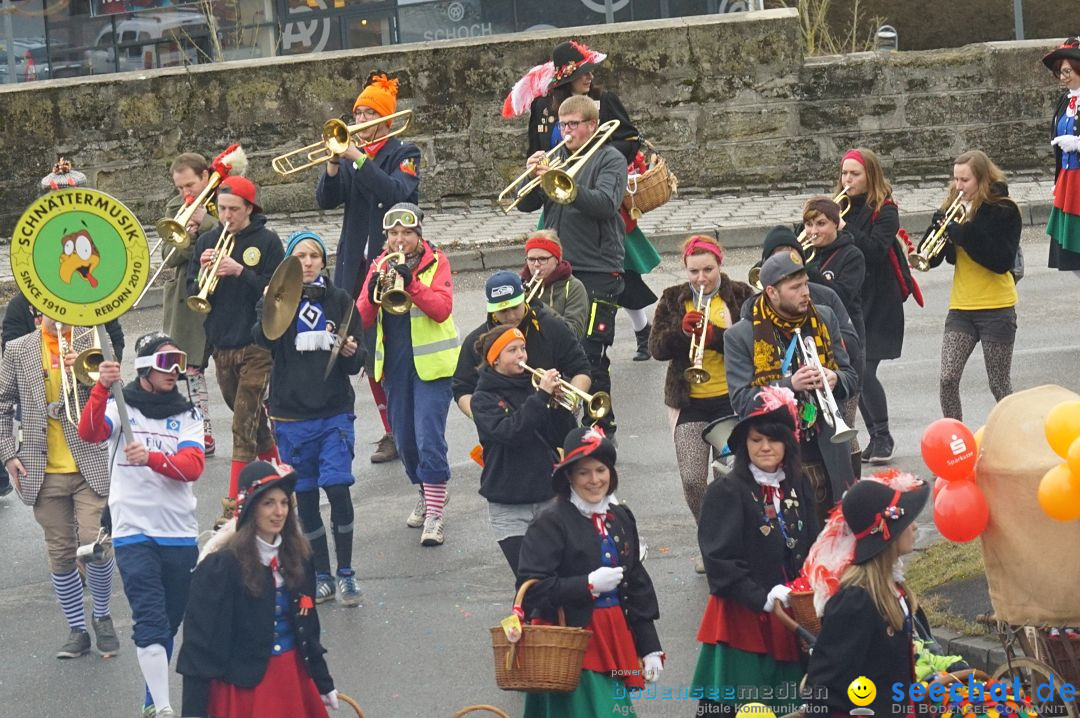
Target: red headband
x,y
854,155
699,243
892,511
545,244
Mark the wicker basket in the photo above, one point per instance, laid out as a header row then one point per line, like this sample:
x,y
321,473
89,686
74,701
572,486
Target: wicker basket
x,y
351,703
801,604
1064,656
476,709
547,659
650,189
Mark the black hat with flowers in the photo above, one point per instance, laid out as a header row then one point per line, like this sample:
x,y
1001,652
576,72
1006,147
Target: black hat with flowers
x,y
256,479
572,60
584,442
877,514
1069,49
773,404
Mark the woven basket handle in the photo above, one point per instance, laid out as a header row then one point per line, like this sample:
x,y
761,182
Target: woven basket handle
x,y
519,600
474,709
351,703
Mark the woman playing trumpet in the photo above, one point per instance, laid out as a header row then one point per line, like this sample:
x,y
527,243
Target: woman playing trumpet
x,y
678,319
982,304
519,432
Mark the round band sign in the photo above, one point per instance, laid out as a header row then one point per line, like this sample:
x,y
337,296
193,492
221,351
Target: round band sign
x,y
80,256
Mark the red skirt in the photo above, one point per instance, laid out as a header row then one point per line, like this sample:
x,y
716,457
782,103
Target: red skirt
x,y
286,691
1067,192
611,650
729,622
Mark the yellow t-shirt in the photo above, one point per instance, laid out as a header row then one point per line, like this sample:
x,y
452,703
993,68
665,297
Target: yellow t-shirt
x,y
59,459
712,361
976,287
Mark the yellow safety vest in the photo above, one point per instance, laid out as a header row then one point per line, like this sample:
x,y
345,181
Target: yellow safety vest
x,y
435,345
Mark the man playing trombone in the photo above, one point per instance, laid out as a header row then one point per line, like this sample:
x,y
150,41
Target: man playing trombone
x,y
589,226
241,274
369,181
771,348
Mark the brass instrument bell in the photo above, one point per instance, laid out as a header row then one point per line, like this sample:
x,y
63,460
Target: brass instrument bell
x,y
390,291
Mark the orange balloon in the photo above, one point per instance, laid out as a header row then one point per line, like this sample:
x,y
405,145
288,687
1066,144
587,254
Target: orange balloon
x,y
1063,426
1059,494
979,437
1073,459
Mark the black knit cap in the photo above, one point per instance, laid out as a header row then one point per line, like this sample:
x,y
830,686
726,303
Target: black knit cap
x,y
1069,49
256,479
779,236
584,442
877,514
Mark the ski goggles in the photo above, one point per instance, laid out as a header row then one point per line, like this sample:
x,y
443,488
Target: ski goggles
x,y
405,217
167,361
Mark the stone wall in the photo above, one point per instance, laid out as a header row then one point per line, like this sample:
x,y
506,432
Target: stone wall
x,y
730,100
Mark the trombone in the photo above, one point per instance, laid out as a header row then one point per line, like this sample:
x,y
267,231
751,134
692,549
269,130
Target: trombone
x,y
337,136
935,242
389,290
175,243
83,371
597,405
695,374
823,397
533,287
558,182
805,242
207,278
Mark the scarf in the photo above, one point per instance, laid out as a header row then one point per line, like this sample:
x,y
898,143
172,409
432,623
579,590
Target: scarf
x,y
769,481
52,345
156,406
772,335
596,512
311,331
268,556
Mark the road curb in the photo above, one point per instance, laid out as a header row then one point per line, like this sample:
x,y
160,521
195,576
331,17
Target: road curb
x,y
982,652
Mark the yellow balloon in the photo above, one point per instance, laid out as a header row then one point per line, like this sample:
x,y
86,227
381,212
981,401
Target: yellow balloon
x,y
978,437
1073,460
754,710
1059,494
1063,426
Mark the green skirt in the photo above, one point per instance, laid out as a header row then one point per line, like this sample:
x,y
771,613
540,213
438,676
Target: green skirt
x,y
1064,228
597,696
641,256
728,675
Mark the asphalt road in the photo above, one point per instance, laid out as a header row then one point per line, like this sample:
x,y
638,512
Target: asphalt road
x,y
419,645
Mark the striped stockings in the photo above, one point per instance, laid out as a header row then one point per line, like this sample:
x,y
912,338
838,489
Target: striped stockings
x,y
68,590
99,577
434,499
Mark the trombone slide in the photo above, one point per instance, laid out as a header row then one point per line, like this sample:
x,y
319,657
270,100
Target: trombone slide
x,y
337,136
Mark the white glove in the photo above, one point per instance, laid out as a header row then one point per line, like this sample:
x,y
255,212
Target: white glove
x,y
330,700
605,579
1066,143
780,593
653,666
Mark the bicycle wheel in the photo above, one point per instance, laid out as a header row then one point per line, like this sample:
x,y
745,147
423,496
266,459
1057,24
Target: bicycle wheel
x,y
1033,673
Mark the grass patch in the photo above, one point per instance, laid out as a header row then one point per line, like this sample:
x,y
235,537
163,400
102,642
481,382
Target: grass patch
x,y
942,563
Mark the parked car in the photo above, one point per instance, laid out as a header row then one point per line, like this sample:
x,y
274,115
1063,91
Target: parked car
x,y
34,60
151,39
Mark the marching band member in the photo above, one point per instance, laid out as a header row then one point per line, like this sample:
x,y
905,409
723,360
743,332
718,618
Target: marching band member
x,y
520,432
873,222
65,479
562,293
548,340
1064,224
591,231
583,549
313,417
190,174
151,499
756,355
251,641
754,535
416,352
982,303
368,181
242,367
677,320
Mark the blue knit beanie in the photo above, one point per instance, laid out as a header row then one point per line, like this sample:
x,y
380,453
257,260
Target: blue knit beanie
x,y
297,237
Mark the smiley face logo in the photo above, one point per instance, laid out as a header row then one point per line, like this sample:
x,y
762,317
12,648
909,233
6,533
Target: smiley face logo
x,y
862,691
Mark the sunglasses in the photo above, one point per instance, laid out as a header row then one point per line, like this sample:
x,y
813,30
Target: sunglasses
x,y
167,361
405,217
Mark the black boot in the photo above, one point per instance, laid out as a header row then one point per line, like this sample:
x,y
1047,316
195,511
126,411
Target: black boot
x,y
643,344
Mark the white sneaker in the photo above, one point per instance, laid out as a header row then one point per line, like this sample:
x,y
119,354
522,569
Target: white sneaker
x,y
433,531
416,518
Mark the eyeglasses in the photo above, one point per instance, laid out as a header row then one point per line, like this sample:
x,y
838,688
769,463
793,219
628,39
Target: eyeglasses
x,y
539,260
571,125
366,113
405,217
167,361
1065,70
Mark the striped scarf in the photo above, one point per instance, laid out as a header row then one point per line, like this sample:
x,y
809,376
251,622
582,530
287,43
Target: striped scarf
x,y
772,335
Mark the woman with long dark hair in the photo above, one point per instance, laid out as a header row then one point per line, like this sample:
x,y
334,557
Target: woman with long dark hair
x,y
1064,224
757,525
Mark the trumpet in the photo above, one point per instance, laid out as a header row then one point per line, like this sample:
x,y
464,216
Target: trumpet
x,y
695,374
558,182
390,291
823,397
805,241
534,287
935,242
597,405
207,279
83,371
337,136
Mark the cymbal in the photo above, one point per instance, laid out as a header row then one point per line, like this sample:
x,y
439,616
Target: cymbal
x,y
282,298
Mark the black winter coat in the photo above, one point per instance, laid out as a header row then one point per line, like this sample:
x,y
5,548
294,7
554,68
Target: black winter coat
x,y
548,340
991,237
297,388
229,634
842,267
882,299
542,118
741,563
856,641
520,435
19,321
561,548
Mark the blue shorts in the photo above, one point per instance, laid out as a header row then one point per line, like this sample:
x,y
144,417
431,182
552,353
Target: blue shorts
x,y
319,450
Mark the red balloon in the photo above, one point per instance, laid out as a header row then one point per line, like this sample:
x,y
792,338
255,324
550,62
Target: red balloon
x,y
949,449
939,484
960,511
